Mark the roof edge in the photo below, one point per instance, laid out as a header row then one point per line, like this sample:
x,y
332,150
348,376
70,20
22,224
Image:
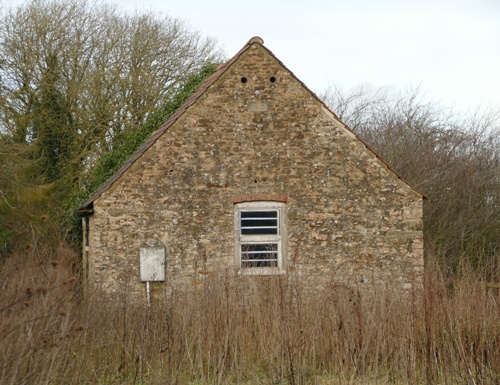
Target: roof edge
x,y
256,39
221,69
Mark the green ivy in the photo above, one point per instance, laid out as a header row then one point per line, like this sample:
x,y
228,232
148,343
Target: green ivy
x,y
112,161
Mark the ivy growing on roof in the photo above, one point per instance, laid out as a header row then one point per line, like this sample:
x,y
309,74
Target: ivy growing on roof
x,y
112,161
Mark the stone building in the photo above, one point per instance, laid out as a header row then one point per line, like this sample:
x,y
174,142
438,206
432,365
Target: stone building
x,y
253,175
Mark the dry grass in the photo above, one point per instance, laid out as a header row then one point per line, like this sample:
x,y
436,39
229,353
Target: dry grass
x,y
245,330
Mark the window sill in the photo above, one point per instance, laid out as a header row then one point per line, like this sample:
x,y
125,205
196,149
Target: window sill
x,y
262,271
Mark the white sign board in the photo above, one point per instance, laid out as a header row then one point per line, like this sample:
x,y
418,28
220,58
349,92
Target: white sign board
x,y
152,263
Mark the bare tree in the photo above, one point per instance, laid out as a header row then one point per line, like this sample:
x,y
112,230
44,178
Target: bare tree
x,y
77,77
112,69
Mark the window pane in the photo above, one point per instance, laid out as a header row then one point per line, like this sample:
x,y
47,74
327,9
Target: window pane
x,y
259,255
260,214
259,222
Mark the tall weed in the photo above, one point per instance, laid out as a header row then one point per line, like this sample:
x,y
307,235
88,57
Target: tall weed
x,y
226,329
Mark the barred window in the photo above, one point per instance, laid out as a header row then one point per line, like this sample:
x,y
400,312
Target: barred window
x,y
259,236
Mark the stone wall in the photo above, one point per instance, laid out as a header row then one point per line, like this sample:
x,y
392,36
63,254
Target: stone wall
x,y
348,217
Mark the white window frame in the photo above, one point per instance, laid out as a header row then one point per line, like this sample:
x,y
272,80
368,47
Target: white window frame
x,y
278,239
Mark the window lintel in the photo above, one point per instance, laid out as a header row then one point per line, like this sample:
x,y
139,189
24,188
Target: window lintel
x,y
260,198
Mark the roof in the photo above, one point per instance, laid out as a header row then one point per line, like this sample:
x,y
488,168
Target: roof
x,y
192,100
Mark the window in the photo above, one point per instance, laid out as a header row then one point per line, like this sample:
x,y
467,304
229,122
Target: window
x,y
260,237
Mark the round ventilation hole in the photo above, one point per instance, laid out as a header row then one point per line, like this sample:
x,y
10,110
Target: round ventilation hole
x,y
243,80
272,79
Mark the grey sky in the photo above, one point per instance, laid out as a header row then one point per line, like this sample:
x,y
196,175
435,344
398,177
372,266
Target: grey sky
x,y
451,48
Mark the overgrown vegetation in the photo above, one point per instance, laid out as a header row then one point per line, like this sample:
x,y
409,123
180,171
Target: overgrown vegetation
x,y
237,329
82,87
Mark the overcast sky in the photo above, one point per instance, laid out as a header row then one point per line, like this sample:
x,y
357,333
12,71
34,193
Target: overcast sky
x,y
451,48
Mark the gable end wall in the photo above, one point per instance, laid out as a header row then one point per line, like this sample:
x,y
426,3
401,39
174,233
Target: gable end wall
x,y
348,217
